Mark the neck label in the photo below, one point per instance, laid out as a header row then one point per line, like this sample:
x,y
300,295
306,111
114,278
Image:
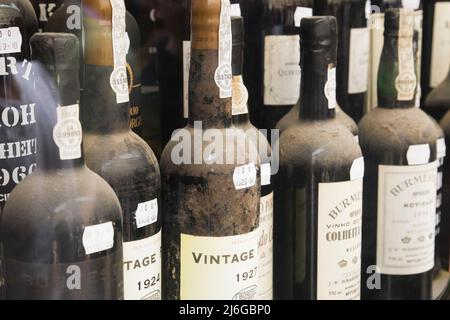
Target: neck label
x,y
119,80
223,75
330,88
240,96
406,80
67,133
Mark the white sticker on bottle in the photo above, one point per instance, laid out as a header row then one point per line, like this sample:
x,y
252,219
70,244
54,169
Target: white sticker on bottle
x,y
219,268
223,75
330,88
265,270
411,4
147,213
235,10
418,154
339,240
406,80
368,9
441,148
281,70
440,54
68,133
186,69
265,174
142,268
10,40
357,169
406,218
244,176
98,238
119,79
358,74
240,97
300,13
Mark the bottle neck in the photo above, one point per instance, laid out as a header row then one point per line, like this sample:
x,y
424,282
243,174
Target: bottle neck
x,y
240,92
318,86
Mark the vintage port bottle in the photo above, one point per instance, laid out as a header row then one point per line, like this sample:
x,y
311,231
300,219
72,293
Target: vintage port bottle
x,y
318,190
61,231
117,154
211,191
399,147
241,120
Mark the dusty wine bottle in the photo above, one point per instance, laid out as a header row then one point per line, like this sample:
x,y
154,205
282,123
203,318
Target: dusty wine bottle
x,y
61,231
318,192
241,121
117,154
44,10
18,119
211,189
399,145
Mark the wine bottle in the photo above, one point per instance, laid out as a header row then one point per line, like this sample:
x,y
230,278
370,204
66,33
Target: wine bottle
x,y
18,119
436,48
211,194
399,145
68,18
318,198
444,233
44,10
61,231
117,154
241,120
437,101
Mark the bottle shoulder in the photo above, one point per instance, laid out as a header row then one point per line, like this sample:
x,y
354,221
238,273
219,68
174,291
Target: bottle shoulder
x,y
439,97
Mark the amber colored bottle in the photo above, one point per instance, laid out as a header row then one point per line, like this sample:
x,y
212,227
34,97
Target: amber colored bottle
x,y
61,231
117,154
399,146
211,190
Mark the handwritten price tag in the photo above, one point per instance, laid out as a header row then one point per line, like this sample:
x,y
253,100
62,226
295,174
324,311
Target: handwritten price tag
x,y
10,40
244,176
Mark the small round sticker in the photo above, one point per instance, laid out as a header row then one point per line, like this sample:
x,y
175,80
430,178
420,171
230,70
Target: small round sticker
x,y
223,78
405,83
119,81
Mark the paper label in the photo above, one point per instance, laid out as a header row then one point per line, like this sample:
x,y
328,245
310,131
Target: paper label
x,y
223,75
418,154
68,133
441,148
418,26
339,240
330,88
119,80
235,10
240,96
142,268
376,47
265,289
281,70
147,213
98,237
10,40
357,169
266,174
244,176
358,75
219,268
406,218
406,80
440,54
300,13
186,69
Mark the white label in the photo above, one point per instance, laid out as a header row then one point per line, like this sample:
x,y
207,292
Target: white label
x,y
142,268
406,219
219,268
376,47
281,70
411,4
418,154
357,169
406,80
240,96
98,238
147,213
186,69
300,13
358,75
265,271
339,240
440,54
235,10
265,174
441,148
244,176
223,75
330,88
10,40
68,133
119,80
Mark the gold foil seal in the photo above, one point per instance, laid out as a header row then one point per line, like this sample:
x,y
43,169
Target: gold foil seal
x,y
205,24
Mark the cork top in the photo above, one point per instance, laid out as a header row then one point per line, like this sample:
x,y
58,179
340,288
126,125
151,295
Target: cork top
x,y
205,24
319,34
